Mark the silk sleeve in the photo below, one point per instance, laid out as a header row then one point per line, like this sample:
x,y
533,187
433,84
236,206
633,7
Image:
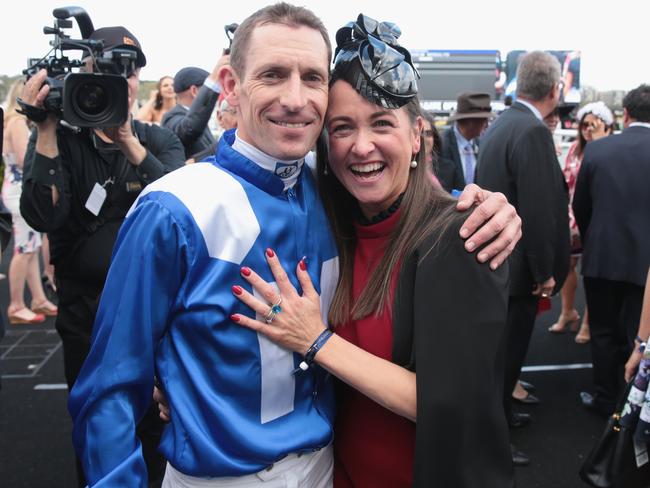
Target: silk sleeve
x,y
114,387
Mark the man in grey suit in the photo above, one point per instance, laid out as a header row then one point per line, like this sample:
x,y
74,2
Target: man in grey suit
x,y
518,158
197,92
612,209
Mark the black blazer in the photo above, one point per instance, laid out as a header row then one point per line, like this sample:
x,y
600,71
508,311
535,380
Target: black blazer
x,y
450,169
518,158
612,207
191,126
449,320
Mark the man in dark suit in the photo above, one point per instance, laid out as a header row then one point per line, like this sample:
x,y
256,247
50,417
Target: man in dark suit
x,y
458,156
197,92
518,159
612,209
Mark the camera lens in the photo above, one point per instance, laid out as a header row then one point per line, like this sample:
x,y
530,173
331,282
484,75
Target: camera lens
x,y
91,99
95,99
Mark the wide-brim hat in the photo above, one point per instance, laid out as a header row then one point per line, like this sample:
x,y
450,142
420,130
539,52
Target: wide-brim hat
x,y
119,37
473,106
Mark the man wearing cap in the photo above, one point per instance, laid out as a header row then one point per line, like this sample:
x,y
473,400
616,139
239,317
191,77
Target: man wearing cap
x,y
197,92
78,186
241,415
457,165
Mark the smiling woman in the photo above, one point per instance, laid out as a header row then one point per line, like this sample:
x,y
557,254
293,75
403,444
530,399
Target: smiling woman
x,y
410,304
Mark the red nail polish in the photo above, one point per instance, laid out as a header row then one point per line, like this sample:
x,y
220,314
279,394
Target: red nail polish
x,y
237,290
246,271
302,265
234,318
269,252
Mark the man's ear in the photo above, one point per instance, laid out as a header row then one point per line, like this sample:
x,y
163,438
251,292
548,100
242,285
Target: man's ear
x,y
555,92
229,82
626,118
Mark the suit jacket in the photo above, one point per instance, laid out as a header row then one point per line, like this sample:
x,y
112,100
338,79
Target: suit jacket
x,y
518,158
612,206
191,126
450,312
450,170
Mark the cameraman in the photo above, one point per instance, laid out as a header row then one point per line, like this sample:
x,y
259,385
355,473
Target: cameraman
x,y
78,186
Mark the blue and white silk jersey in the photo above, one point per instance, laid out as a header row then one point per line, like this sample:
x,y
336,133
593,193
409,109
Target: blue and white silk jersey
x,y
235,405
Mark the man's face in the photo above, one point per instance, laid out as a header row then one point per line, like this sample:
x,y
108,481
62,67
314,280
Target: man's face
x,y
227,118
473,128
132,80
281,97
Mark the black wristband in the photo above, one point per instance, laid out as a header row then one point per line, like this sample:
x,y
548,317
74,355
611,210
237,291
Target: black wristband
x,y
310,355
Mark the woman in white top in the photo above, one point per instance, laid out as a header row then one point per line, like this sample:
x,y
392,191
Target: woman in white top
x,y
24,266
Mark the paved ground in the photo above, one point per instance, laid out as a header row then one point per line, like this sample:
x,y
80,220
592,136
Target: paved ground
x,y
35,450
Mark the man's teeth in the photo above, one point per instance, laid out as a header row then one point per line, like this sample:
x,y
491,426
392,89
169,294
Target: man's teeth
x,y
366,168
290,125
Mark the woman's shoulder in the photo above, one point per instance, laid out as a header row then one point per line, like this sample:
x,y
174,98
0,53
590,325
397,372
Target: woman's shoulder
x,y
444,250
439,239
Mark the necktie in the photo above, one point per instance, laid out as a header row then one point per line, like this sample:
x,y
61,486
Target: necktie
x,y
468,154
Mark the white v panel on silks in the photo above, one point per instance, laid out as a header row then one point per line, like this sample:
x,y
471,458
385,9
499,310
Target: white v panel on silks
x,y
234,217
278,383
329,278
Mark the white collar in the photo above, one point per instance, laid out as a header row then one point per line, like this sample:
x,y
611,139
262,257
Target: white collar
x,y
640,124
532,108
288,171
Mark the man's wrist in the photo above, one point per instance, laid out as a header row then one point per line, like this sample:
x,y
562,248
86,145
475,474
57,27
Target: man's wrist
x,y
212,85
133,150
46,143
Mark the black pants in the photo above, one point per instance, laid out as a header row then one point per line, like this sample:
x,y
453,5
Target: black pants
x,y
77,307
522,311
614,313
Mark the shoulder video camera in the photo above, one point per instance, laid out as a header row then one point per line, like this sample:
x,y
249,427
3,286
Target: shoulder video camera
x,y
97,99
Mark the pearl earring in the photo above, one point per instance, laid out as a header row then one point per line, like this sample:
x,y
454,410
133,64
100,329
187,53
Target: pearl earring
x,y
325,172
414,164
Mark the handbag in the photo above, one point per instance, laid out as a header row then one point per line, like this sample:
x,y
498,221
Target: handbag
x,y
612,461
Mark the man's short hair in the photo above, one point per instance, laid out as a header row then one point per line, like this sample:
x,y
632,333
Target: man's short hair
x,y
637,103
279,13
537,74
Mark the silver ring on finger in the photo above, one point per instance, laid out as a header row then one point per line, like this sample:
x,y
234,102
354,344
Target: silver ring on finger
x,y
274,311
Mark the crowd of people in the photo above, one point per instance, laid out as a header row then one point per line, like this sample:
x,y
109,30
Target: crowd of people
x,y
297,296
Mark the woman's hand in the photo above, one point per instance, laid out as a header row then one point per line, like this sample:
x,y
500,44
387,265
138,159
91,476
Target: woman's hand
x,y
632,364
598,129
298,322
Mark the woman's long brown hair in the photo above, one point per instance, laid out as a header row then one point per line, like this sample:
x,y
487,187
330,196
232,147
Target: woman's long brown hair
x,y
425,210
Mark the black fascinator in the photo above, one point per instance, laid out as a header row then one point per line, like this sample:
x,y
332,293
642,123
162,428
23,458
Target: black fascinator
x,y
369,57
